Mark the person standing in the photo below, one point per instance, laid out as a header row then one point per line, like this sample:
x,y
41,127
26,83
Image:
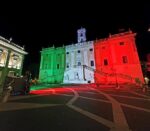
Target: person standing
x,y
27,79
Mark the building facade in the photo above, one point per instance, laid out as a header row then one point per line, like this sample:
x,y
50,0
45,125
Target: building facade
x,y
11,59
117,56
78,55
111,60
52,65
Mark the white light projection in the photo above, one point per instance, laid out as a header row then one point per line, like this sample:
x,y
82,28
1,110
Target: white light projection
x,y
78,55
81,33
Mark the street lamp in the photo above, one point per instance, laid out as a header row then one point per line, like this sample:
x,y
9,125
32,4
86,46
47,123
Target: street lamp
x,y
84,73
117,84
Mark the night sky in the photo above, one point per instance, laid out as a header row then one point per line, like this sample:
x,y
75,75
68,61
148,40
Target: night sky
x,y
39,25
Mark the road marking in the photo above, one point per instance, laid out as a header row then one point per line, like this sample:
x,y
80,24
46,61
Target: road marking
x,y
93,116
135,107
63,94
88,114
95,99
21,106
130,97
139,94
85,98
119,117
76,95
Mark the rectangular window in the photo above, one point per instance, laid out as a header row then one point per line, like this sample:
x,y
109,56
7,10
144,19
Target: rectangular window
x,y
105,62
57,66
121,43
124,59
92,63
45,66
46,57
90,49
67,65
79,63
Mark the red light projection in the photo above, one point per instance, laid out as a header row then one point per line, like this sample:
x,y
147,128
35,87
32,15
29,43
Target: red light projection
x,y
117,60
47,91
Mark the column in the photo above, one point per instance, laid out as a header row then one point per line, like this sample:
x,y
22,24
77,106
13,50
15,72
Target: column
x,y
21,66
5,72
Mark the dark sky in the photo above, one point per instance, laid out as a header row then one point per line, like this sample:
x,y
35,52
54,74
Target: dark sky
x,y
40,24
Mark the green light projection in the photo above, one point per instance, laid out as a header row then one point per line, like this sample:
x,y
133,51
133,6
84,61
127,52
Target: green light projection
x,y
52,65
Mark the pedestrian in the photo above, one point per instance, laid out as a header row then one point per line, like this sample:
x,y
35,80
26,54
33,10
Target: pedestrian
x,y
27,78
145,88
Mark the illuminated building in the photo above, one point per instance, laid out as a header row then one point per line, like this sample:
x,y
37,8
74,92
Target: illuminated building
x,y
52,65
117,56
11,59
78,55
111,60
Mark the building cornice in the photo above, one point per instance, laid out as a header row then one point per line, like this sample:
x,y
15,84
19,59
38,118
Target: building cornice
x,y
8,44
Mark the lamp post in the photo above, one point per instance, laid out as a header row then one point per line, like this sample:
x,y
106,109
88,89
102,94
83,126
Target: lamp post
x,y
84,73
117,84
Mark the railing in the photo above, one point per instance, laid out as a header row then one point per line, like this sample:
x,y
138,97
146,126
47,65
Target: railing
x,y
94,70
124,76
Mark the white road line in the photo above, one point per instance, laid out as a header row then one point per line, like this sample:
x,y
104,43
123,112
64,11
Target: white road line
x,y
119,117
135,107
139,94
76,95
21,106
85,98
63,94
130,97
95,99
88,114
93,116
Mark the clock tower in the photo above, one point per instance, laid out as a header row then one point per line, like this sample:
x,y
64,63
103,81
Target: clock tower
x,y
81,35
